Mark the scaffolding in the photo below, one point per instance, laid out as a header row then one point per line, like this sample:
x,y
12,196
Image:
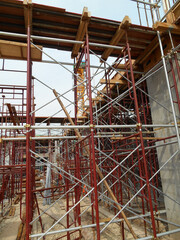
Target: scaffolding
x,y
108,159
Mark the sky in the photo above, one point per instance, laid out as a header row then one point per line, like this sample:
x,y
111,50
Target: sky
x,y
114,9
54,75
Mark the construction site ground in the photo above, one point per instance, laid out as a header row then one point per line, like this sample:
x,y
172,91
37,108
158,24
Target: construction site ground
x,y
9,225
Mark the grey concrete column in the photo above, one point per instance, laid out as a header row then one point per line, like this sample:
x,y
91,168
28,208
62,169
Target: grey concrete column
x,y
170,174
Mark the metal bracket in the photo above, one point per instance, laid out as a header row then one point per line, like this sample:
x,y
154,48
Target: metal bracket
x,y
27,125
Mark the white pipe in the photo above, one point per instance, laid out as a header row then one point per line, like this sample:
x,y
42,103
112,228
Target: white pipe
x,y
94,225
10,34
147,3
161,234
88,126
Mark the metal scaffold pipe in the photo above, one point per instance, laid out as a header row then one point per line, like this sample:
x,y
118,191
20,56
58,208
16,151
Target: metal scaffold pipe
x,y
169,88
93,225
10,34
147,3
88,126
29,180
97,168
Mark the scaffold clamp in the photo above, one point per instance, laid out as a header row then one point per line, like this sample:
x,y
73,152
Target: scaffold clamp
x,y
27,125
139,125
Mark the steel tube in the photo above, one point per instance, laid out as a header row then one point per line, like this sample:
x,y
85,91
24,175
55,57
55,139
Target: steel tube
x,y
29,207
88,126
102,180
93,225
141,137
176,48
147,3
161,234
92,157
62,196
91,66
129,170
75,137
12,127
169,88
58,40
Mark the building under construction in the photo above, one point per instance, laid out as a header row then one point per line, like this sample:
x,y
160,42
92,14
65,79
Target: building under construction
x,y
106,163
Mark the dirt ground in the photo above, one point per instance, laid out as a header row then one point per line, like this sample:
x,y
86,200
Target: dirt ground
x,y
9,225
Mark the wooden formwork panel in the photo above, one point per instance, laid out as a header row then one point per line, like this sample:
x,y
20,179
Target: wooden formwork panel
x,y
17,50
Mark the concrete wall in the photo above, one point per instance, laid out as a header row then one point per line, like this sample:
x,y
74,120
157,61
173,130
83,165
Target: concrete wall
x,y
170,174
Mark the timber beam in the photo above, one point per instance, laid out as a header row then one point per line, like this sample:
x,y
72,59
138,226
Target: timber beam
x,y
117,36
27,7
86,16
13,115
147,52
176,13
173,16
114,81
165,27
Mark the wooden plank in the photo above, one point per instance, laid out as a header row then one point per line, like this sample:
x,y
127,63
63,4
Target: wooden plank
x,y
170,16
164,27
12,211
20,230
105,220
98,99
86,16
82,117
119,66
13,115
104,90
114,81
27,7
16,200
47,18
150,48
176,12
18,50
23,236
117,36
155,56
117,79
